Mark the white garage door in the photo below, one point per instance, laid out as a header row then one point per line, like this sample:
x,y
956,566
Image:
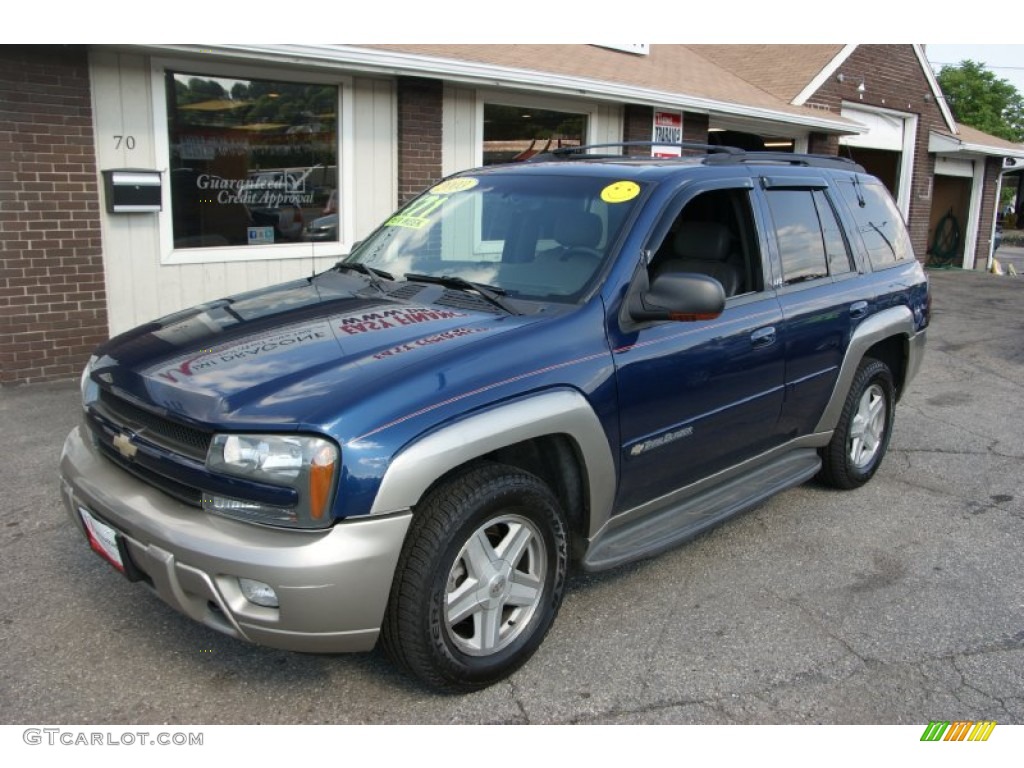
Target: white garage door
x,y
885,131
953,166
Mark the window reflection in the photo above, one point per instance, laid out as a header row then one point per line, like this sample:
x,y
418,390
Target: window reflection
x,y
253,162
513,134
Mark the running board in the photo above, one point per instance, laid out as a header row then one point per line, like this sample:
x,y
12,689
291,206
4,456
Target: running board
x,y
652,533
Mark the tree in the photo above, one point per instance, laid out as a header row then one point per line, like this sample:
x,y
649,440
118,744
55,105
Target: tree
x,y
981,100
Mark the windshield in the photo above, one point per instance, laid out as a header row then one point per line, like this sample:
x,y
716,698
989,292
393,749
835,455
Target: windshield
x,y
528,235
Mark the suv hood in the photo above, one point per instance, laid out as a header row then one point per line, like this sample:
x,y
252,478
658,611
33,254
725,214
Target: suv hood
x,y
256,357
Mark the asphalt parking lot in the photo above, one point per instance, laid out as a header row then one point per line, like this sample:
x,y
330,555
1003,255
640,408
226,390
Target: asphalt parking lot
x,y
898,603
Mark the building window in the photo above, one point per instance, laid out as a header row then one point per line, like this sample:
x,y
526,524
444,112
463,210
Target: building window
x,y
516,133
253,162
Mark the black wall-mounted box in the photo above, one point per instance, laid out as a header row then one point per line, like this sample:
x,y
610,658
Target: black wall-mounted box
x,y
132,191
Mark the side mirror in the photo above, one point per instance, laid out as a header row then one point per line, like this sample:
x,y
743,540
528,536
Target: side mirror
x,y
679,296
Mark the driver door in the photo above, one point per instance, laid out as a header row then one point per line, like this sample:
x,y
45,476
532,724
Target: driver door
x,y
698,397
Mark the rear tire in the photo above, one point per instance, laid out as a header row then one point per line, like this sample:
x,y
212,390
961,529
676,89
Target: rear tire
x,y
862,437
480,579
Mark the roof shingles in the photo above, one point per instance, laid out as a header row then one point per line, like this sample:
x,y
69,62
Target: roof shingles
x,y
677,69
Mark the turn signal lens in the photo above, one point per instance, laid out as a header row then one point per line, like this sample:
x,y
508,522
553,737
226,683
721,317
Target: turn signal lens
x,y
321,481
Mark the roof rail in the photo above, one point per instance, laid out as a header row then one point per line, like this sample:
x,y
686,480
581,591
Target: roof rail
x,y
787,158
582,152
714,154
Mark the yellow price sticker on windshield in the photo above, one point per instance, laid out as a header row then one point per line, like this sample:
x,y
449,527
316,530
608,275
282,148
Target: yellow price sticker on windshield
x,y
409,222
620,192
454,185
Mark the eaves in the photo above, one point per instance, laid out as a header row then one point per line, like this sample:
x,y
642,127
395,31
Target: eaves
x,y
394,63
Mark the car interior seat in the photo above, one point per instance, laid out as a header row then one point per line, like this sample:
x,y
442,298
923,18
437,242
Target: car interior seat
x,y
704,247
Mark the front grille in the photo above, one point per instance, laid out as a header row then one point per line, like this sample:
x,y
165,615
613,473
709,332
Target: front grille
x,y
112,414
157,429
180,491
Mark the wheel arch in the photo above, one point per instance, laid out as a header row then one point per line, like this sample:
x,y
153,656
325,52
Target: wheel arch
x,y
885,336
554,435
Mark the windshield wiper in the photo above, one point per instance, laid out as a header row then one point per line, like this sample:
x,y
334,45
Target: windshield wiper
x,y
373,274
489,292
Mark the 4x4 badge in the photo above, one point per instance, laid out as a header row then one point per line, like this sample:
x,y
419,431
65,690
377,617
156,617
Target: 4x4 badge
x,y
124,445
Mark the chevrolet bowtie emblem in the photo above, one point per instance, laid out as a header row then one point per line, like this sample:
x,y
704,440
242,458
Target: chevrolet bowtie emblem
x,y
123,443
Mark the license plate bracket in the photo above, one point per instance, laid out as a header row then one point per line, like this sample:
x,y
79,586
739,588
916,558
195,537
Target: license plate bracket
x,y
102,538
109,544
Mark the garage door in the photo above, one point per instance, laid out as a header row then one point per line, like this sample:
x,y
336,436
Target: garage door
x,y
953,166
885,131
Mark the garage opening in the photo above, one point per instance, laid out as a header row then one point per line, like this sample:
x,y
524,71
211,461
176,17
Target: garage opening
x,y
885,148
878,162
751,142
947,223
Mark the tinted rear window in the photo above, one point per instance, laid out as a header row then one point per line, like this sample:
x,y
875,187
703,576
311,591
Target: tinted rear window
x,y
879,223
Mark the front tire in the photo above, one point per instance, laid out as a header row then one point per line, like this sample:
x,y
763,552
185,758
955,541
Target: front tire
x,y
480,579
865,426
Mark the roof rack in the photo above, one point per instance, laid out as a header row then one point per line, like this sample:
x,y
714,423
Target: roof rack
x,y
786,158
714,154
583,152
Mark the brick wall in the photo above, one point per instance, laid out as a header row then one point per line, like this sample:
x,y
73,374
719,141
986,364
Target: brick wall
x,y
893,79
695,127
52,295
823,144
420,125
637,123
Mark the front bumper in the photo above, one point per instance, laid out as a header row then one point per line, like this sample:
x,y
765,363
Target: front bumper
x,y
332,585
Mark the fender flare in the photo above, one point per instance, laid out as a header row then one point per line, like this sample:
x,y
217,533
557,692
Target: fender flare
x,y
894,321
562,411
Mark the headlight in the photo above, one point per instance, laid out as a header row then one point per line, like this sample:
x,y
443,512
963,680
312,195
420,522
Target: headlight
x,y
307,464
90,390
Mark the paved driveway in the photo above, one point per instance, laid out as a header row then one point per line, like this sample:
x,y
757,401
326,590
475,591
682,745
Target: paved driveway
x,y
900,602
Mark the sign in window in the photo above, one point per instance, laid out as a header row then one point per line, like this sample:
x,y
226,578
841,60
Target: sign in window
x,y
254,162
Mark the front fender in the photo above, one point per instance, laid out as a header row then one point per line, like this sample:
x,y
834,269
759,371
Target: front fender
x,y
562,411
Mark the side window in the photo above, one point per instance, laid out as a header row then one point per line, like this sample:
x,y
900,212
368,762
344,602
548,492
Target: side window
x,y
799,235
836,249
879,223
714,235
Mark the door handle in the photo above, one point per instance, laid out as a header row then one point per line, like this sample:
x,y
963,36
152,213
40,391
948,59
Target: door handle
x,y
858,309
763,337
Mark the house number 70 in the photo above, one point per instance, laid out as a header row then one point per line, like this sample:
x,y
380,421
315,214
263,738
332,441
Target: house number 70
x,y
127,141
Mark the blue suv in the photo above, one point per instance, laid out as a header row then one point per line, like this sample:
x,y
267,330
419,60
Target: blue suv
x,y
580,360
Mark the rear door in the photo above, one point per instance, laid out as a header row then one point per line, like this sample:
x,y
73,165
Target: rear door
x,y
821,301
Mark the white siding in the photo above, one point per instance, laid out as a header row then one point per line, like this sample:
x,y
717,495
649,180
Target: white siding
x,y
608,124
462,145
375,150
141,288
